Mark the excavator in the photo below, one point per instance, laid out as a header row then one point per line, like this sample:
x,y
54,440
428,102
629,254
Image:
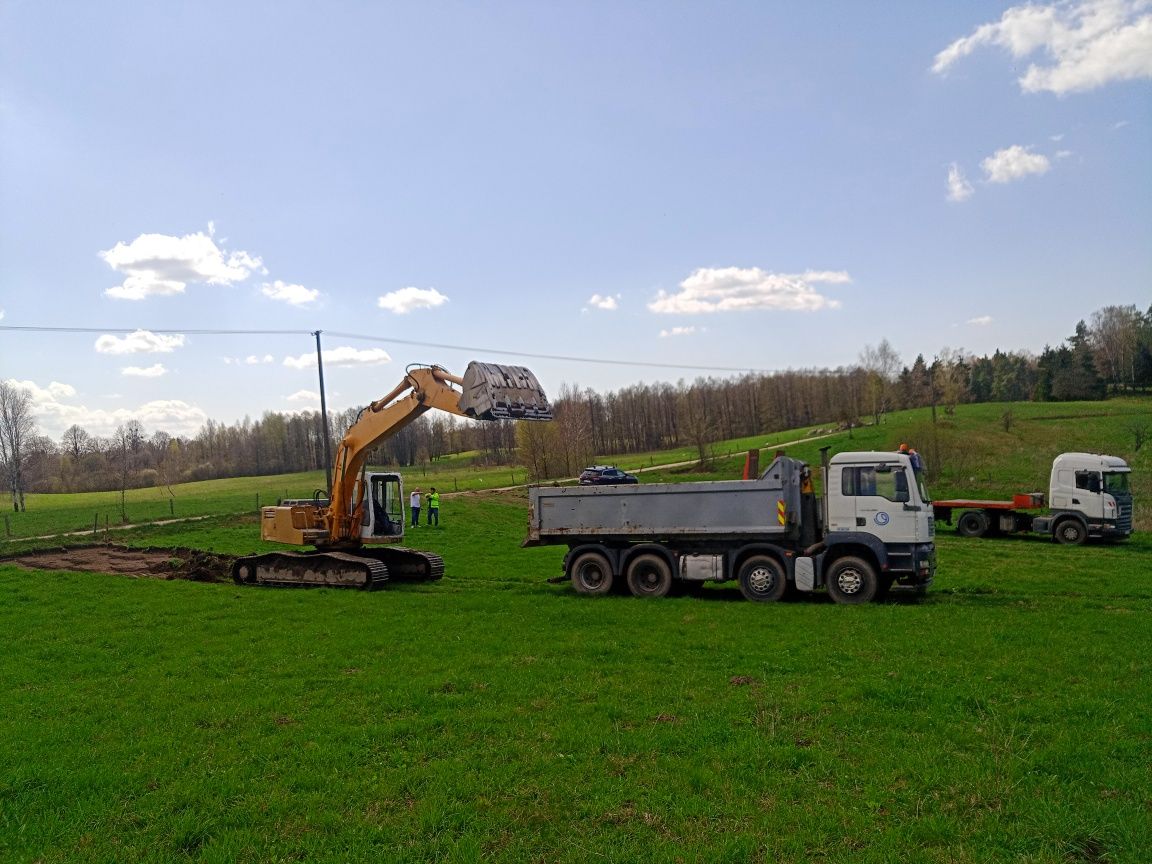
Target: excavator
x,y
353,531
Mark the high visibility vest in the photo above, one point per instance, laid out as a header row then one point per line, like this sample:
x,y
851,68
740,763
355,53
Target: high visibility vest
x,y
434,500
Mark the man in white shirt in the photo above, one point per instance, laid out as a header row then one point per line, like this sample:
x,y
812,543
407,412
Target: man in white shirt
x,y
414,502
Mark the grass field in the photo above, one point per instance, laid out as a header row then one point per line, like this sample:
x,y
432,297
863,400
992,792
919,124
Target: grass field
x,y
491,716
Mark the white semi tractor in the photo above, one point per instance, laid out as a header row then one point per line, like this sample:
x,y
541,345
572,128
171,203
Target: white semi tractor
x,y
871,528
1089,495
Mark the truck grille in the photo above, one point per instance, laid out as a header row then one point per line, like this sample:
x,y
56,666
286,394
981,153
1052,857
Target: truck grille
x,y
1124,516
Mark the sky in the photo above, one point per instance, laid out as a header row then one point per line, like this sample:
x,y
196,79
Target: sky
x,y
607,192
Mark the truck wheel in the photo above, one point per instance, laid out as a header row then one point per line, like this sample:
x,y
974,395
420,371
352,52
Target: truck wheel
x,y
591,574
649,576
852,580
762,579
1070,532
972,524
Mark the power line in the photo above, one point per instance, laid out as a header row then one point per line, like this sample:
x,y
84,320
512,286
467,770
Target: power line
x,y
393,341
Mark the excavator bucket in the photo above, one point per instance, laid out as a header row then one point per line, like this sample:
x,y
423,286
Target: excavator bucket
x,y
496,392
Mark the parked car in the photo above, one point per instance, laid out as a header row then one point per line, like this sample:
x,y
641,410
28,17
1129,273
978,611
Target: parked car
x,y
603,475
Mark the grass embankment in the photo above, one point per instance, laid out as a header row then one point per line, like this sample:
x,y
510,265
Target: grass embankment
x,y
976,457
493,717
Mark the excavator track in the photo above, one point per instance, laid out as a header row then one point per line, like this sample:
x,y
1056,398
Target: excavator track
x,y
367,569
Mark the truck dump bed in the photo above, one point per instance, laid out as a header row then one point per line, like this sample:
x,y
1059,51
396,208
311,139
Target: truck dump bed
x,y
767,507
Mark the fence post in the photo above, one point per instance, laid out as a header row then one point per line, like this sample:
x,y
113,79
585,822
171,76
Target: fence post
x,y
171,507
95,524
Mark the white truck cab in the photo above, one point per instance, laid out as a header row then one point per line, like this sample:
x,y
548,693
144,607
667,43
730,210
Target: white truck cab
x,y
1097,488
879,493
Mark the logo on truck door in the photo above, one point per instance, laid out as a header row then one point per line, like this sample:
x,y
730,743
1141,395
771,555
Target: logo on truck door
x,y
881,518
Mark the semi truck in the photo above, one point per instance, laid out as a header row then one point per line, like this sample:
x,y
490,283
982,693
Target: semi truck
x,y
1089,495
871,528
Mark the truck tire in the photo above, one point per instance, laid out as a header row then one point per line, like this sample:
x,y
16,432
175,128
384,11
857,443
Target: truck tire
x,y
591,573
762,579
649,576
972,523
1070,532
852,580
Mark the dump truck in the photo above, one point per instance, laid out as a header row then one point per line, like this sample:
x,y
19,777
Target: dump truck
x,y
871,528
1089,495
355,526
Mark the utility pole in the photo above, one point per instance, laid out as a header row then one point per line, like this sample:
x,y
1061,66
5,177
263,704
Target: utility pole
x,y
324,417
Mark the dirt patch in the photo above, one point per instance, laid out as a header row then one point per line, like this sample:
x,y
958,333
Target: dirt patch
x,y
141,563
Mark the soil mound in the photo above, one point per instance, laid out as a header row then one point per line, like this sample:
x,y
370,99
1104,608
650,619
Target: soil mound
x,y
191,564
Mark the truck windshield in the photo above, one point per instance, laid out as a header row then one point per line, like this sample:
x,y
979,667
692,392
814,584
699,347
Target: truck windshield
x,y
924,496
1114,483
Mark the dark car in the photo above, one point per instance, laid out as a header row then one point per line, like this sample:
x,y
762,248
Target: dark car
x,y
604,475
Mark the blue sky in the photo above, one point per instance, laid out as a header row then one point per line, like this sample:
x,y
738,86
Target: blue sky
x,y
741,185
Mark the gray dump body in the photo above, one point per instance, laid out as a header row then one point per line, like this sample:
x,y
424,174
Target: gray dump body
x,y
730,508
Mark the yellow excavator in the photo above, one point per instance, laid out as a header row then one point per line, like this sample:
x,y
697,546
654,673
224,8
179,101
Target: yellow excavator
x,y
354,529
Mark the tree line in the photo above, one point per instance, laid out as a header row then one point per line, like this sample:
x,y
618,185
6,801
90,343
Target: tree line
x,y
1110,353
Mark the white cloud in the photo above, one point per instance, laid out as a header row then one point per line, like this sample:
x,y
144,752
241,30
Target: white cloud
x,y
728,289
55,411
406,299
1086,44
608,304
309,396
959,189
2,313
677,331
982,321
343,356
294,295
1120,125
1014,163
159,264
153,371
253,360
139,342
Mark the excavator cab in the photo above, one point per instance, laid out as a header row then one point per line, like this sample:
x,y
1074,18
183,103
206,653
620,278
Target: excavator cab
x,y
384,509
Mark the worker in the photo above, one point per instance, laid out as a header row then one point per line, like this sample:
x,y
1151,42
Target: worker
x,y
434,507
414,502
914,458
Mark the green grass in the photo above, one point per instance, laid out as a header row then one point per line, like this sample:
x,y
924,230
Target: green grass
x,y
491,716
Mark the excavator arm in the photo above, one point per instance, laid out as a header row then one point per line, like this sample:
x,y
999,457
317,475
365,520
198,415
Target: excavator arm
x,y
488,391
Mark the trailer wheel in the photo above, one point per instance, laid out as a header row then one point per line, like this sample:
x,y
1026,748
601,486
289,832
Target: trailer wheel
x,y
1070,532
972,524
762,579
852,580
591,573
649,576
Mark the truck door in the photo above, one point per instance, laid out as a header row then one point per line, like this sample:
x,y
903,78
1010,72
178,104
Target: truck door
x,y
880,493
1088,498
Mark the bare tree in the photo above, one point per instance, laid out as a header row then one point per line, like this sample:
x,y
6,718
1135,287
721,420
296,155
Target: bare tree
x,y
882,364
1115,340
16,431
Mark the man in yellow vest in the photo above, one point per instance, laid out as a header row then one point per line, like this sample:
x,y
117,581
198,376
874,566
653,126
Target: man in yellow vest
x,y
434,507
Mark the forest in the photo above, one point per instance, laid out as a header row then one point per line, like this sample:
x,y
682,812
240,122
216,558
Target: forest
x,y
1108,354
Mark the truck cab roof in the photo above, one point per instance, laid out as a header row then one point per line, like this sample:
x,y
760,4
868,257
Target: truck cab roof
x,y
1096,461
